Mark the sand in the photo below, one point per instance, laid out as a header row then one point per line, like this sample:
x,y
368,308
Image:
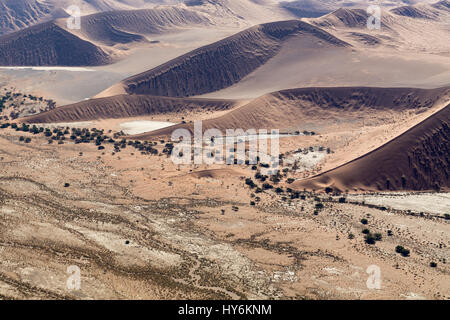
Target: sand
x,y
136,127
438,203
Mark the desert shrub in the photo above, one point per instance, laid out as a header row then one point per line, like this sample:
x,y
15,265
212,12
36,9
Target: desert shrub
x,y
295,195
319,206
267,186
390,233
250,183
364,221
366,231
403,251
66,185
369,238
378,236
433,264
351,236
342,200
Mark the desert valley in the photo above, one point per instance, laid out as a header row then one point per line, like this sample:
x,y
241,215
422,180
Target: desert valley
x,y
353,204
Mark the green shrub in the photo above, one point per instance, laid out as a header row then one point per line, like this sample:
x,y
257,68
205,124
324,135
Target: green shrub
x,y
369,238
403,251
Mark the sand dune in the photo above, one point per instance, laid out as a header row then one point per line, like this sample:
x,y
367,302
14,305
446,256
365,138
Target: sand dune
x,y
126,106
412,28
52,43
223,63
118,27
338,51
48,44
290,109
19,14
416,160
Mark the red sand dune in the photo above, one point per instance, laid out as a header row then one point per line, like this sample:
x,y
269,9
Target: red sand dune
x,y
416,160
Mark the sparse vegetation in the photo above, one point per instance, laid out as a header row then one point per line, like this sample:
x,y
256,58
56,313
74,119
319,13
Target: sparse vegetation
x,y
403,251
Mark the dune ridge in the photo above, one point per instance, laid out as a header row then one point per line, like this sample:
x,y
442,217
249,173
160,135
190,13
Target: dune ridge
x,y
290,108
223,63
125,106
48,44
417,160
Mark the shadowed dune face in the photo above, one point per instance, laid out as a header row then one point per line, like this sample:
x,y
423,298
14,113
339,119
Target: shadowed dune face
x,y
413,12
291,108
125,106
17,14
48,44
223,63
416,160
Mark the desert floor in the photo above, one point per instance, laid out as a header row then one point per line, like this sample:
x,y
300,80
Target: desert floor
x,y
140,227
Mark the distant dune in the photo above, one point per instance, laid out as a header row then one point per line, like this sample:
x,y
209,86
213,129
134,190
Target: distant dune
x,y
289,54
53,44
223,63
349,18
18,14
401,23
417,160
48,44
125,106
291,108
126,26
413,12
